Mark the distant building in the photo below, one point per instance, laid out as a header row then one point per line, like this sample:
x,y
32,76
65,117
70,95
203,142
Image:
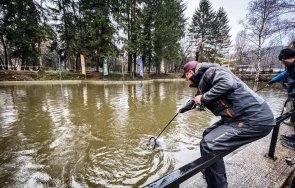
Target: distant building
x,y
248,62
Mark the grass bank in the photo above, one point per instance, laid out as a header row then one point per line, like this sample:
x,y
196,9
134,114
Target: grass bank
x,y
68,75
97,76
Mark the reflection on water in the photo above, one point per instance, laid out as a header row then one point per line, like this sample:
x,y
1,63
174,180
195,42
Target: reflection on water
x,y
93,135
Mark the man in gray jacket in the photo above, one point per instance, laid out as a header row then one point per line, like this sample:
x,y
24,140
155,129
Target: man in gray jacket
x,y
245,116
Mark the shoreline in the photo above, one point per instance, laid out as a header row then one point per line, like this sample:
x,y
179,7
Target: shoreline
x,y
94,82
74,77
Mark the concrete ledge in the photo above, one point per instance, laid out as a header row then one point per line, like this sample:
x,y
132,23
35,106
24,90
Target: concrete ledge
x,y
170,80
100,82
109,82
47,82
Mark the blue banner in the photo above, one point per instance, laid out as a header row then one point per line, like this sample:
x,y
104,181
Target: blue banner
x,y
140,63
105,66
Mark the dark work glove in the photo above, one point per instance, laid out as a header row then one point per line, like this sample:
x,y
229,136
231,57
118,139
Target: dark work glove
x,y
188,106
285,85
193,85
291,83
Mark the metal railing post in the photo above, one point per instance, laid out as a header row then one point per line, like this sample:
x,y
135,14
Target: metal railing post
x,y
275,133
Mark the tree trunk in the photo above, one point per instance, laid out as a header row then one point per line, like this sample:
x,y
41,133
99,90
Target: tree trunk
x,y
150,61
78,62
129,26
129,68
40,56
2,63
5,53
258,62
134,65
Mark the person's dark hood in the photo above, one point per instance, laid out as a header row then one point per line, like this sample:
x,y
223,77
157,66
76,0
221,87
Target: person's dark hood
x,y
286,53
199,71
291,66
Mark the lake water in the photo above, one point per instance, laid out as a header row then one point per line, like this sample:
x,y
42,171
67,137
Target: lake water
x,y
96,135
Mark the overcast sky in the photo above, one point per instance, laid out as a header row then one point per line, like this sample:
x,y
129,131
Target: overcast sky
x,y
236,10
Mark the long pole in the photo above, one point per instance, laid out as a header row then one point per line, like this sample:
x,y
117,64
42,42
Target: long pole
x,y
166,126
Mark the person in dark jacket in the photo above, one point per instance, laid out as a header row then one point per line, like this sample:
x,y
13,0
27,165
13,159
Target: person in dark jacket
x,y
245,116
287,56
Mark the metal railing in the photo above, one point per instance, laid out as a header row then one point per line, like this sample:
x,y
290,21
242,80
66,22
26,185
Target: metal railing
x,y
275,133
175,178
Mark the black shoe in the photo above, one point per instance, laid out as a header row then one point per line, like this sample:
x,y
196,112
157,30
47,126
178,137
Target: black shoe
x,y
290,137
287,144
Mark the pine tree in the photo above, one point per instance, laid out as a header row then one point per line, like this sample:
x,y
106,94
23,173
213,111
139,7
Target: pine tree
x,y
97,30
63,17
210,30
22,31
146,40
129,21
201,27
169,29
220,41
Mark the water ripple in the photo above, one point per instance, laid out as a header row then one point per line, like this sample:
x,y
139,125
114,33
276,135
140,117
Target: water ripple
x,y
91,136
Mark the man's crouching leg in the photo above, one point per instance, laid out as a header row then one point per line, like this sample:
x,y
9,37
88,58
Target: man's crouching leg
x,y
215,174
226,137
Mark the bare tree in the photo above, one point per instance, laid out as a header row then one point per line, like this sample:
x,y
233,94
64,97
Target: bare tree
x,y
287,15
269,59
260,25
187,45
241,45
242,50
